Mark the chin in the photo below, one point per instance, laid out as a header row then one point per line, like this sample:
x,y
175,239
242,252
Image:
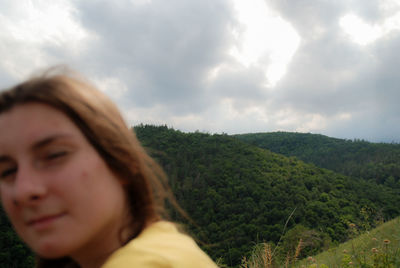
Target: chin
x,y
50,251
50,254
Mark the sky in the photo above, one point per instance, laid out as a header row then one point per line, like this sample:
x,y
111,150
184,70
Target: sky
x,y
222,66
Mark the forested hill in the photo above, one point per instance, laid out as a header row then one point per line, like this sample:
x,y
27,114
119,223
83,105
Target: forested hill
x,y
371,161
240,194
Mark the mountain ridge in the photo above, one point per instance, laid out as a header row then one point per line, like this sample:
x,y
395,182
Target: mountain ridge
x,y
355,158
239,192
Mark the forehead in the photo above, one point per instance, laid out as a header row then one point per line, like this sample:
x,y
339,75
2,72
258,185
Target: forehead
x,y
24,124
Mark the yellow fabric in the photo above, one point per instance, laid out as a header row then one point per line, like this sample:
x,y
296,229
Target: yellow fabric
x,y
160,245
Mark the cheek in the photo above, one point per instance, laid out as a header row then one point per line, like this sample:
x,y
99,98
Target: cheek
x,y
6,199
87,180
11,211
80,185
87,177
84,174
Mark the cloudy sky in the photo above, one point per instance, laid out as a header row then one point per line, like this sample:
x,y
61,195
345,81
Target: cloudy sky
x,y
233,66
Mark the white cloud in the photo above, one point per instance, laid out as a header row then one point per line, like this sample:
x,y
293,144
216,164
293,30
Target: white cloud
x,y
264,39
141,2
364,33
29,28
111,86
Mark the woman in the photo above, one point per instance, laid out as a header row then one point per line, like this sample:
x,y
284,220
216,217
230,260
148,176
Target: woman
x,y
76,184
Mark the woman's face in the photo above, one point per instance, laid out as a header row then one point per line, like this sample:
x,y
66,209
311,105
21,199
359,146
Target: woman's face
x,y
59,194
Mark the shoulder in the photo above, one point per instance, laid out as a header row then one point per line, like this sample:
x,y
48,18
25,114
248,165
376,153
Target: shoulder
x,y
160,245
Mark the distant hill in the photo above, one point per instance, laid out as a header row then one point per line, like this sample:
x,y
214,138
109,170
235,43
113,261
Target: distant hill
x,y
241,194
371,161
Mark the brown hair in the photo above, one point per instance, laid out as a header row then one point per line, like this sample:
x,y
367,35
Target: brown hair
x,y
100,121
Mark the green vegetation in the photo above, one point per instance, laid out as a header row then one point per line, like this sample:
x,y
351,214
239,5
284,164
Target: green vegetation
x,y
379,247
358,158
241,195
13,253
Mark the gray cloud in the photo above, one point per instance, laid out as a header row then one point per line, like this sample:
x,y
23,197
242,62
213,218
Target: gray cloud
x,y
162,50
332,76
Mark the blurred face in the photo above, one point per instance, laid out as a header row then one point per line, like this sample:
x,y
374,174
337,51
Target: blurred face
x,y
59,194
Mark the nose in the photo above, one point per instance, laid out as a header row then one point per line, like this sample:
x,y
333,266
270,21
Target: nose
x,y
29,186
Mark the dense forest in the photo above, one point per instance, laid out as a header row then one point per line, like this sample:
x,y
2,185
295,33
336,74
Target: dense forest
x,y
13,253
239,193
357,158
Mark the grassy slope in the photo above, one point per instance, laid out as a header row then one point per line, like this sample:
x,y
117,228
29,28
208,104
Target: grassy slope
x,y
360,249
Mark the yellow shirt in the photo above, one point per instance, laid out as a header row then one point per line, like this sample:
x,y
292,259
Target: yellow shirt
x,y
160,245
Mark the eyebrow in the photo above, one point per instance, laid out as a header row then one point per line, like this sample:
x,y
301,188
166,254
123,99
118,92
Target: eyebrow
x,y
4,159
46,141
38,145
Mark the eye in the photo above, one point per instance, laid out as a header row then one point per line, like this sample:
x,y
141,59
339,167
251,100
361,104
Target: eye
x,y
51,157
55,155
8,172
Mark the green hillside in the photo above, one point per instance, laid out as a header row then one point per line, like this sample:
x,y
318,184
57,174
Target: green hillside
x,y
241,194
372,161
378,248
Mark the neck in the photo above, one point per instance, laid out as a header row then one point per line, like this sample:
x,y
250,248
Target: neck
x,y
93,263
96,253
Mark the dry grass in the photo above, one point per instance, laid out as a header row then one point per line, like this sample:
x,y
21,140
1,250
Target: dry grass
x,y
263,257
377,248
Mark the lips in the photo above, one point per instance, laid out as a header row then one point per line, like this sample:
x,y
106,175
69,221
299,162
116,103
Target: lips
x,y
45,221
